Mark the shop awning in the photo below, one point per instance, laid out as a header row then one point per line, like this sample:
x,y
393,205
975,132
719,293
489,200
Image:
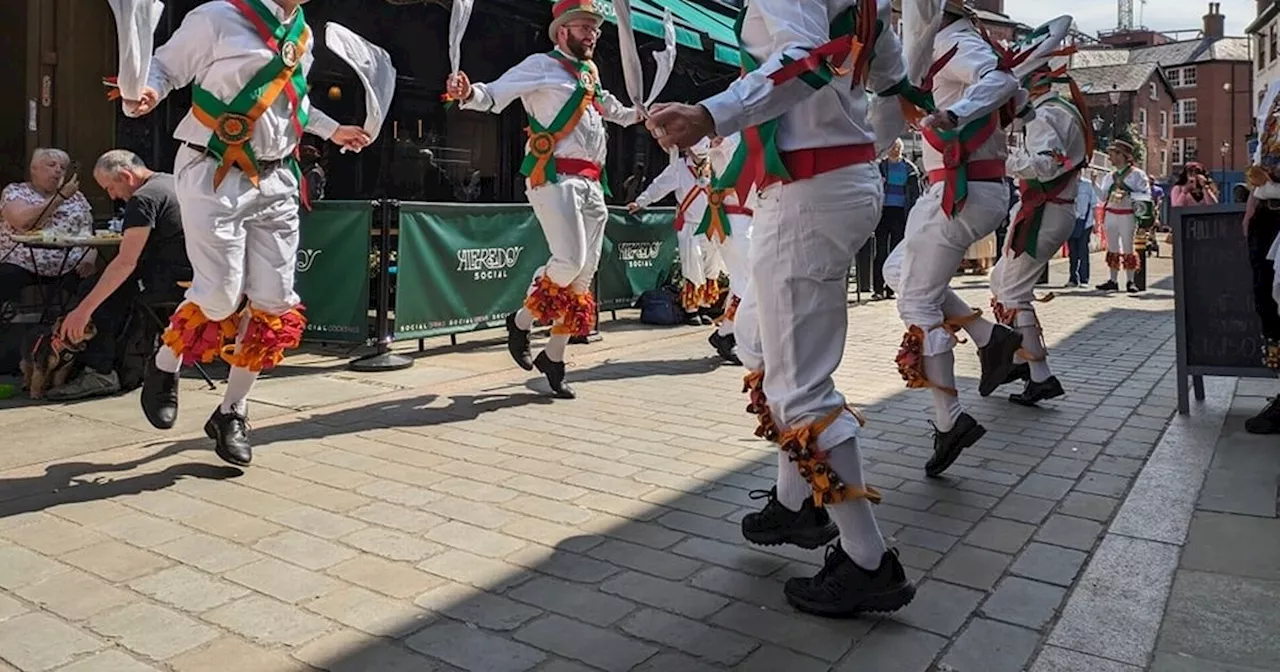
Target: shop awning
x,y
692,23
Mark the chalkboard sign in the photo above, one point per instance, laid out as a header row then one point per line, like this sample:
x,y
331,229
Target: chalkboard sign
x,y
1219,333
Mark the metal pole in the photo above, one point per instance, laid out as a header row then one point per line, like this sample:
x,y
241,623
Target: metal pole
x,y
383,359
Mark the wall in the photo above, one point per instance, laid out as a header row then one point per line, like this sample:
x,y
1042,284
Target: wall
x,y
13,107
1126,112
1221,116
1270,68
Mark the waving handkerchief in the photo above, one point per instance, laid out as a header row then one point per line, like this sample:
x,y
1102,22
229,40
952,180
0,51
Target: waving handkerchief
x,y
372,65
136,22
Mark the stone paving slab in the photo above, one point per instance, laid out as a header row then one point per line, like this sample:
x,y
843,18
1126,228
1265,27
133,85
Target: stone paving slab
x,y
461,521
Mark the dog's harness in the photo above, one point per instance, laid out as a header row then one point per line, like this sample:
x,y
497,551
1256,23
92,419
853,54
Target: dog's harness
x,y
63,350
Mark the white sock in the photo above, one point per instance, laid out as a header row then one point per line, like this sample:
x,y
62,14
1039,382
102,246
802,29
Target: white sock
x,y
524,319
859,535
1128,277
1032,343
166,360
556,346
1115,274
792,488
940,370
238,385
725,328
979,329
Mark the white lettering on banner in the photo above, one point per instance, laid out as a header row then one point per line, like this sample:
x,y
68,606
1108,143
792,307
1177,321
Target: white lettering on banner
x,y
307,259
488,263
639,255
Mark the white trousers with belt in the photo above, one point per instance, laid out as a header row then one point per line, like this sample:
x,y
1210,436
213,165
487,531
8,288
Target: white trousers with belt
x,y
803,240
241,240
1013,281
572,213
920,268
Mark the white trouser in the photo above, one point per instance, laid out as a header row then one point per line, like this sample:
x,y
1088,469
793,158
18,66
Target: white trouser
x,y
746,333
920,268
1120,231
1013,280
735,253
572,213
712,262
241,240
690,248
803,240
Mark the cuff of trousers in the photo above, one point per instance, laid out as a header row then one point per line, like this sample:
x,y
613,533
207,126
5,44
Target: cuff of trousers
x,y
938,341
843,429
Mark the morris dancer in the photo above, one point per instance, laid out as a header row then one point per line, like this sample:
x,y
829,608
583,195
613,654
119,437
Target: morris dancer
x,y
1126,191
237,182
1058,146
690,179
808,145
564,171
964,157
727,226
1261,226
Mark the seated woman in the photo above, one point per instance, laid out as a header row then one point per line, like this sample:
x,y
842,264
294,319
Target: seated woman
x,y
48,201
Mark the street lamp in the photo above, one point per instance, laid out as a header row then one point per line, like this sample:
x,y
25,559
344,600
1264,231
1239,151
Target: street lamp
x,y
1227,87
1115,109
1223,151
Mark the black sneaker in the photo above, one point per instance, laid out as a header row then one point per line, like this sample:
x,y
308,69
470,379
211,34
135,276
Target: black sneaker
x,y
842,589
1108,286
1132,288
724,346
518,344
159,397
775,524
947,446
997,358
1049,388
706,320
1018,372
692,320
231,432
554,371
1266,422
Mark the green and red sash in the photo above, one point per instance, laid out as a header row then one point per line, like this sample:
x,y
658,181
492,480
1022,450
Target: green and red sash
x,y
540,163
1036,195
1118,185
956,146
757,162
232,123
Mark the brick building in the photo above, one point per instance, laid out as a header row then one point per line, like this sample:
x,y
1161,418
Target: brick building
x,y
1138,93
1212,79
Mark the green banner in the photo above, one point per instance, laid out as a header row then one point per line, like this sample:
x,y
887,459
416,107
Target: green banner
x,y
463,267
638,253
332,273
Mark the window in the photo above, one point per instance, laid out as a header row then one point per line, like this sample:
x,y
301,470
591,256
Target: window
x,y
1164,161
1153,91
1262,51
1142,121
1164,124
1184,151
1271,42
1184,112
1181,77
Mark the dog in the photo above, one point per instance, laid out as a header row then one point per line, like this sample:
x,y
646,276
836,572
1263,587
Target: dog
x,y
48,359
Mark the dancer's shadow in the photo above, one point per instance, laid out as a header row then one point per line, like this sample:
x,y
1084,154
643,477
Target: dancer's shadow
x,y
613,369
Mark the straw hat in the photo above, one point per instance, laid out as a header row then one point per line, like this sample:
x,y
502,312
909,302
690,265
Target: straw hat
x,y
565,11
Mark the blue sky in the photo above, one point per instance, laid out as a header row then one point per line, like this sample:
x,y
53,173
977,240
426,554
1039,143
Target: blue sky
x,y
1094,15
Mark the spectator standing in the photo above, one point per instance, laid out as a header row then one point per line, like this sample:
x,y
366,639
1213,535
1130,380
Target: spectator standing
x,y
1078,243
901,180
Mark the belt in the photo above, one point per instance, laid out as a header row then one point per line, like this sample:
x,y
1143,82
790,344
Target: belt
x,y
803,164
986,170
734,209
1120,211
263,164
578,167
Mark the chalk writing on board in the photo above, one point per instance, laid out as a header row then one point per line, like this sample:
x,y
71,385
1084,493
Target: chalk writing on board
x,y
1222,328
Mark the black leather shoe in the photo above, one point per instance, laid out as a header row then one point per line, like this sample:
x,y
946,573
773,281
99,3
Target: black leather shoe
x,y
706,320
775,524
518,344
997,358
554,371
1132,288
231,432
1018,372
842,589
1049,388
1108,286
724,346
948,445
160,397
692,320
1266,422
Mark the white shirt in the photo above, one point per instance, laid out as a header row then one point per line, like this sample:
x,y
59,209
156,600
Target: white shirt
x,y
219,49
971,86
1139,188
544,86
720,157
680,178
1055,132
832,116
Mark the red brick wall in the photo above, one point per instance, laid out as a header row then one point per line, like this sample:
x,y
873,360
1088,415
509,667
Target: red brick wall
x,y
1216,120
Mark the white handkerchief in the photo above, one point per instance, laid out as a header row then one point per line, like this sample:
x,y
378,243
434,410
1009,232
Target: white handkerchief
x,y
136,22
372,65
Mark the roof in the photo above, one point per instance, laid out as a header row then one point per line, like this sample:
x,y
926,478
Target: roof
x,y
1263,19
693,21
1187,52
1124,78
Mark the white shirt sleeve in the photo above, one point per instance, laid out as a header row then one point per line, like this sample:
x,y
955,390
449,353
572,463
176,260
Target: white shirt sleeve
x,y
319,123
616,112
1039,159
187,53
665,183
796,28
526,77
987,87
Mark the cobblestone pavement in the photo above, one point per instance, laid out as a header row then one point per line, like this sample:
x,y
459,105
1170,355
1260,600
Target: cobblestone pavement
x,y
451,517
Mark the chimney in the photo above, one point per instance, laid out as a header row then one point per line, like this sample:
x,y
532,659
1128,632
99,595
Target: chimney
x,y
1214,21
